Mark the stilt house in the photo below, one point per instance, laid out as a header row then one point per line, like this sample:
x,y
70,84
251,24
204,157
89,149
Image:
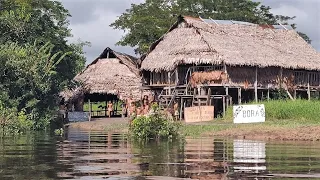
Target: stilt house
x,y
112,76
218,62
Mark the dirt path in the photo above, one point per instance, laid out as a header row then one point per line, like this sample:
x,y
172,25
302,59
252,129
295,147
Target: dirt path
x,y
102,124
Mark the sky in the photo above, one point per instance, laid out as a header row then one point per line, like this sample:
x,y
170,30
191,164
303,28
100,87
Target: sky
x,y
91,19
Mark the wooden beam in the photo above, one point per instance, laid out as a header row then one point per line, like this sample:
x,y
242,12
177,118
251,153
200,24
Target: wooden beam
x,y
289,94
224,106
181,106
169,81
177,76
89,110
239,95
256,85
309,92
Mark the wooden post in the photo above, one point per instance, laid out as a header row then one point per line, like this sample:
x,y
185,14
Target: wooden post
x,y
223,106
177,76
239,95
181,106
169,81
295,94
227,90
309,93
89,110
268,94
256,85
115,108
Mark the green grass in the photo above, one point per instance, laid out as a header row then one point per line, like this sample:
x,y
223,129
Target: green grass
x,y
279,114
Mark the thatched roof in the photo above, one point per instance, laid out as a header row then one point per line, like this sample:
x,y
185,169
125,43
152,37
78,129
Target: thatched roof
x,y
112,73
194,41
71,95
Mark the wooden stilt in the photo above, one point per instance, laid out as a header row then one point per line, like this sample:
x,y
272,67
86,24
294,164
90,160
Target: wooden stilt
x,y
268,94
256,86
309,92
116,108
181,106
177,76
169,81
227,90
295,94
224,106
239,95
90,108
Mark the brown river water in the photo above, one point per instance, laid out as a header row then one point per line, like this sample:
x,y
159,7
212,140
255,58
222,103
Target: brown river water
x,y
98,155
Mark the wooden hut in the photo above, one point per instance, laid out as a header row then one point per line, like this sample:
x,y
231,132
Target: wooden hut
x,y
229,60
112,76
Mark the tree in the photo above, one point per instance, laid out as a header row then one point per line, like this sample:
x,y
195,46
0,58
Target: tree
x,y
25,21
36,60
145,23
28,80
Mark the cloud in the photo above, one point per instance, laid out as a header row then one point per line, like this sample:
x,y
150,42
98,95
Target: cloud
x,y
91,19
307,14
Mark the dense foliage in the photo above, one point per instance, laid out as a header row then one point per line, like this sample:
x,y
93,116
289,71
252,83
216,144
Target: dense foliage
x,y
145,23
36,61
154,126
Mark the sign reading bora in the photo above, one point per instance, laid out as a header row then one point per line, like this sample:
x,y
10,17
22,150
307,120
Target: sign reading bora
x,y
249,113
199,114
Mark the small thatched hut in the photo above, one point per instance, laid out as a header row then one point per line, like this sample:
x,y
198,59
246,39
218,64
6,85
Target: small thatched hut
x,y
111,76
240,55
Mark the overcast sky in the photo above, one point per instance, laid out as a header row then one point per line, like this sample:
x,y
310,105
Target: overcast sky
x,y
91,19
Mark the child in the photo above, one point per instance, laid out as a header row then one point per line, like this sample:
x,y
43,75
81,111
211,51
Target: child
x,y
110,108
176,110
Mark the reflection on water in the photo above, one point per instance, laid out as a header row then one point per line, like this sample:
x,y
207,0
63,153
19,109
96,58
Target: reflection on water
x,y
96,155
250,155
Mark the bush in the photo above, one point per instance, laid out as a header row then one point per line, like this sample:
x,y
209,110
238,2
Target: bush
x,y
154,126
14,122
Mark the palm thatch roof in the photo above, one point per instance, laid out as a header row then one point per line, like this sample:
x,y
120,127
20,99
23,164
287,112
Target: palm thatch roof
x,y
112,73
195,41
71,95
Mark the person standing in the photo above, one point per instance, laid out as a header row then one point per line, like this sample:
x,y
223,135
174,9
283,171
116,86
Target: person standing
x,y
110,108
176,110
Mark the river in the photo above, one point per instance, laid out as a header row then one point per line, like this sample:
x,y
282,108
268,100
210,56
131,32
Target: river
x,y
97,155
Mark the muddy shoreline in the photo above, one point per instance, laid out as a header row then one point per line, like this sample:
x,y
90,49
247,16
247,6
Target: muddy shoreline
x,y
303,133
102,124
251,131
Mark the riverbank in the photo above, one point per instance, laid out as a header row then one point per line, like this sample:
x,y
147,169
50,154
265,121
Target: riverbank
x,y
102,124
289,130
285,120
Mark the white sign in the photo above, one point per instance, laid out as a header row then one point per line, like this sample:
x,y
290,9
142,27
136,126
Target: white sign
x,y
249,113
